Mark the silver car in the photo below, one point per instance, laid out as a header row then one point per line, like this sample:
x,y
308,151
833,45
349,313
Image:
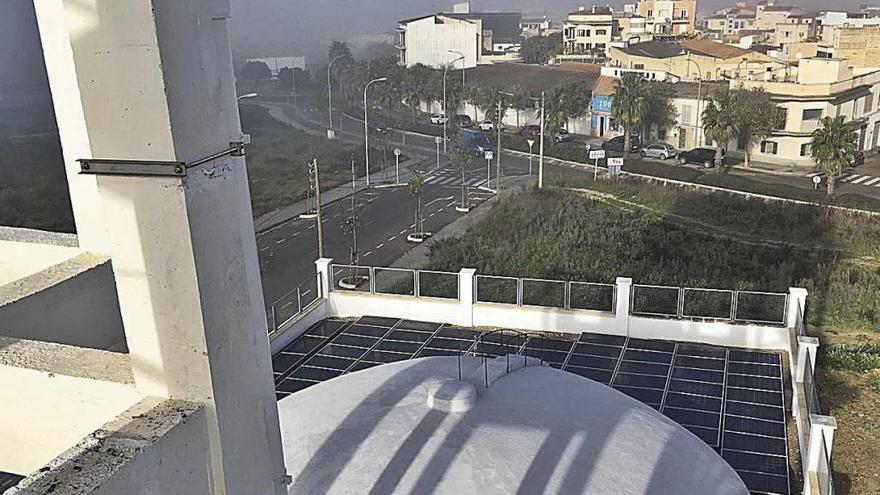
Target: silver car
x,y
659,150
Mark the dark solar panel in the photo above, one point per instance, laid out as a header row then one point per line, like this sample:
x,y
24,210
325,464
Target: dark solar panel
x,y
732,400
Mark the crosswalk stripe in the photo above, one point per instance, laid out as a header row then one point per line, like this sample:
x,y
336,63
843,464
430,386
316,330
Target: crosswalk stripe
x,y
814,174
847,178
872,181
861,179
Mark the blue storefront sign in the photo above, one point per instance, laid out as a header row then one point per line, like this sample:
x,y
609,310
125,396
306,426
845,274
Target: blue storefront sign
x,y
602,104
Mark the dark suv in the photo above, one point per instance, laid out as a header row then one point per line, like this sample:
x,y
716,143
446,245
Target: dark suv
x,y
700,156
616,144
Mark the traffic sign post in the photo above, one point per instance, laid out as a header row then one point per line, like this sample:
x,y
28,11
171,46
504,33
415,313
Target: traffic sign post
x,y
614,166
437,141
489,156
531,143
816,181
595,155
397,163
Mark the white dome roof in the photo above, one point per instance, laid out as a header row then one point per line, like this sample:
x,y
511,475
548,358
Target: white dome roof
x,y
535,430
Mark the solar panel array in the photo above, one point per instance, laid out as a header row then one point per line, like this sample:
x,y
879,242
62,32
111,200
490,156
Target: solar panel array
x,y
731,399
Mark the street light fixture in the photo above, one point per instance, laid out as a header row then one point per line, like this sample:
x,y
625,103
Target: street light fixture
x,y
367,128
246,96
460,57
330,90
445,109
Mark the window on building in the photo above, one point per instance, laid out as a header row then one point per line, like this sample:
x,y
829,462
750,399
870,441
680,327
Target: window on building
x,y
661,134
650,14
583,33
601,32
812,114
685,114
869,103
769,147
806,149
639,66
781,118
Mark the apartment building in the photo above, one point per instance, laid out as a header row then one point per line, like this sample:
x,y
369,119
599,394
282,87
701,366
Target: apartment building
x,y
795,29
436,40
823,88
668,16
698,59
730,24
859,45
589,31
768,14
536,25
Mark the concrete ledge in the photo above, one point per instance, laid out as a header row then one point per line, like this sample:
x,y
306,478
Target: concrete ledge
x,y
32,236
97,464
60,359
49,277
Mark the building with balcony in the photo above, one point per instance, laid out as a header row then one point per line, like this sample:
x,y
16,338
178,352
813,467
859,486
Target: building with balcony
x,y
668,17
859,45
136,356
436,40
587,34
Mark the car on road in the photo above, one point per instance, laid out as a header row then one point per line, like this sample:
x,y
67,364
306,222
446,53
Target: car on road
x,y
439,119
486,125
475,141
530,131
700,156
662,151
562,136
378,128
616,144
463,121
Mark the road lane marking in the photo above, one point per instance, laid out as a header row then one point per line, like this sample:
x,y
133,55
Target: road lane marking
x,y
262,250
861,179
380,246
402,232
296,233
872,181
279,241
849,178
392,238
311,227
367,253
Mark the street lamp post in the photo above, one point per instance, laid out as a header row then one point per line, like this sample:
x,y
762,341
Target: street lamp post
x,y
699,133
367,128
460,57
445,109
541,147
330,90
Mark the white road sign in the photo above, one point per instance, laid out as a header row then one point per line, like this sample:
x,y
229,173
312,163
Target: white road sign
x,y
396,151
490,155
597,154
615,162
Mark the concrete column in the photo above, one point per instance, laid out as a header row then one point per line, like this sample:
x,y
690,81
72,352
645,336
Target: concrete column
x,y
806,353
622,309
153,81
466,279
821,427
71,120
797,302
322,267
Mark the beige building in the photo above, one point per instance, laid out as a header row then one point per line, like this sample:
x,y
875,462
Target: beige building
x,y
698,59
859,45
795,29
668,16
768,14
589,31
824,88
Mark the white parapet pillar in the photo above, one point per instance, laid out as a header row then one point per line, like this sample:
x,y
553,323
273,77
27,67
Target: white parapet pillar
x,y
797,302
622,308
806,356
466,296
151,81
325,277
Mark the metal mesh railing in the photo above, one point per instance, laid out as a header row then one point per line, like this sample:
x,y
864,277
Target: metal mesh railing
x,y
799,327
823,471
655,300
397,281
442,285
350,277
502,290
760,307
291,305
812,394
707,303
546,293
591,297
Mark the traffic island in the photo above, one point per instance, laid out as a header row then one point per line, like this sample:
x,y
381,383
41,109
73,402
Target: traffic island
x,y
419,237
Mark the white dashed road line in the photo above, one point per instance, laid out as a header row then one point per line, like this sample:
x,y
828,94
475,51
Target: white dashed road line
x,y
872,181
861,179
380,246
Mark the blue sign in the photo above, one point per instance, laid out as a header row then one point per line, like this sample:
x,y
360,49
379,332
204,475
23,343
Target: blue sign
x,y
602,104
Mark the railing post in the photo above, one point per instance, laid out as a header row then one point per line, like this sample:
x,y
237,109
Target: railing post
x,y
416,288
274,319
566,298
519,291
821,428
622,308
324,276
299,301
797,301
680,302
466,289
372,275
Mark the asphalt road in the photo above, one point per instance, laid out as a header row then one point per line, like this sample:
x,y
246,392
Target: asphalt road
x,y
387,215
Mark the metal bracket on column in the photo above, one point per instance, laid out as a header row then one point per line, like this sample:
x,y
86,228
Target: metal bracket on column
x,y
153,168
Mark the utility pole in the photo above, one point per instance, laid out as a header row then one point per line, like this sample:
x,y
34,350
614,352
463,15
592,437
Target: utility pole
x,y
541,147
314,170
498,157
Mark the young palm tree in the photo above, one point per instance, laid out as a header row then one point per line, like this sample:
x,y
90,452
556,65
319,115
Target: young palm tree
x,y
719,120
659,110
415,191
459,157
834,146
627,106
568,101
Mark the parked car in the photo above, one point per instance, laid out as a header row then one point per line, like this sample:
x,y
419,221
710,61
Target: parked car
x,y
530,131
476,142
486,125
857,160
464,121
616,144
659,150
378,128
439,119
700,156
562,136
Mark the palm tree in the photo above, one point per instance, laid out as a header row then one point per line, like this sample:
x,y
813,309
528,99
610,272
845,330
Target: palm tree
x,y
458,156
659,110
834,146
757,116
565,102
720,120
627,106
415,87
415,191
